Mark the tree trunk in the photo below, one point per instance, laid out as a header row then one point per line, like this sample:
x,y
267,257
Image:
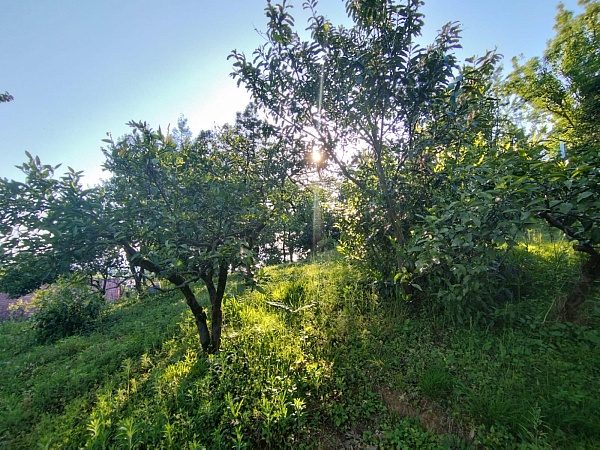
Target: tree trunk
x,y
138,277
197,311
390,207
283,248
216,300
199,316
590,272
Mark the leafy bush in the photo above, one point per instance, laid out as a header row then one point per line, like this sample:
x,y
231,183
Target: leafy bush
x,y
459,254
65,308
20,310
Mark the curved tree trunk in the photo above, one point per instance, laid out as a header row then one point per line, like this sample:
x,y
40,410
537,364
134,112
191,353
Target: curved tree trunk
x,y
179,281
199,316
216,294
590,271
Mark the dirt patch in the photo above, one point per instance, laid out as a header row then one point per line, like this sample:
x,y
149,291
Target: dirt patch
x,y
431,417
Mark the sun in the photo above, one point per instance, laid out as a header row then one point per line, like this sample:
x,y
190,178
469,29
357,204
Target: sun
x,y
316,156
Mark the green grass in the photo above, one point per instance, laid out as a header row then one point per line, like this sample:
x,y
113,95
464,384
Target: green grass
x,y
317,361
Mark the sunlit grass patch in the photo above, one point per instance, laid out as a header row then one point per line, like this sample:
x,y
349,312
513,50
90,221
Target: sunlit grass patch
x,y
60,379
315,353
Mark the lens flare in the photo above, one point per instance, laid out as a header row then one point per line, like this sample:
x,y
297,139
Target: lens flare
x,y
316,156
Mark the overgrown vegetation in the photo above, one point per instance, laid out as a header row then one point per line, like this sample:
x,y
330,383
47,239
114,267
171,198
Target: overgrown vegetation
x,y
318,360
439,171
65,308
458,317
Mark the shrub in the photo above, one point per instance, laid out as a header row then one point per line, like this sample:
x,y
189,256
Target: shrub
x,y
20,310
67,307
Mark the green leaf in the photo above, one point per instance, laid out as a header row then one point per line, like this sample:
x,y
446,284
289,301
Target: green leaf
x,y
584,195
595,235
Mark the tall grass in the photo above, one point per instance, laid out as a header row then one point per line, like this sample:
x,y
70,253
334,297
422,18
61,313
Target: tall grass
x,y
317,360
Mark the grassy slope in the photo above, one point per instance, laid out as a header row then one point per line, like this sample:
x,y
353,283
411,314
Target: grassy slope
x,y
337,367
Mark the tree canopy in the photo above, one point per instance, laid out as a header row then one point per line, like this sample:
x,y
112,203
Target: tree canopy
x,y
379,106
6,97
436,177
561,90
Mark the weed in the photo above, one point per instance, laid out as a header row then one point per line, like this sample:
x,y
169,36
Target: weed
x,y
436,383
127,433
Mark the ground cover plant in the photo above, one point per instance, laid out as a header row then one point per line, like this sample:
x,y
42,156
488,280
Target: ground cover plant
x,y
461,312
318,360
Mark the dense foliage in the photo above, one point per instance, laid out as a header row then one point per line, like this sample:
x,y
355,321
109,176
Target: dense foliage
x,y
439,177
48,224
454,319
193,212
560,93
438,180
6,97
382,109
67,307
308,225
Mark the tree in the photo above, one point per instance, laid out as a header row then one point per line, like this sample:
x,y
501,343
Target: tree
x,y
182,133
307,223
562,86
562,89
187,214
193,213
47,225
379,106
6,97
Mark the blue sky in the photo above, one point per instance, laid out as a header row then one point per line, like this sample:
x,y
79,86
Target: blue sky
x,y
78,69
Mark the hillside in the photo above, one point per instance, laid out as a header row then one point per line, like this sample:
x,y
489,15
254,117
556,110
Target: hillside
x,y
316,361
